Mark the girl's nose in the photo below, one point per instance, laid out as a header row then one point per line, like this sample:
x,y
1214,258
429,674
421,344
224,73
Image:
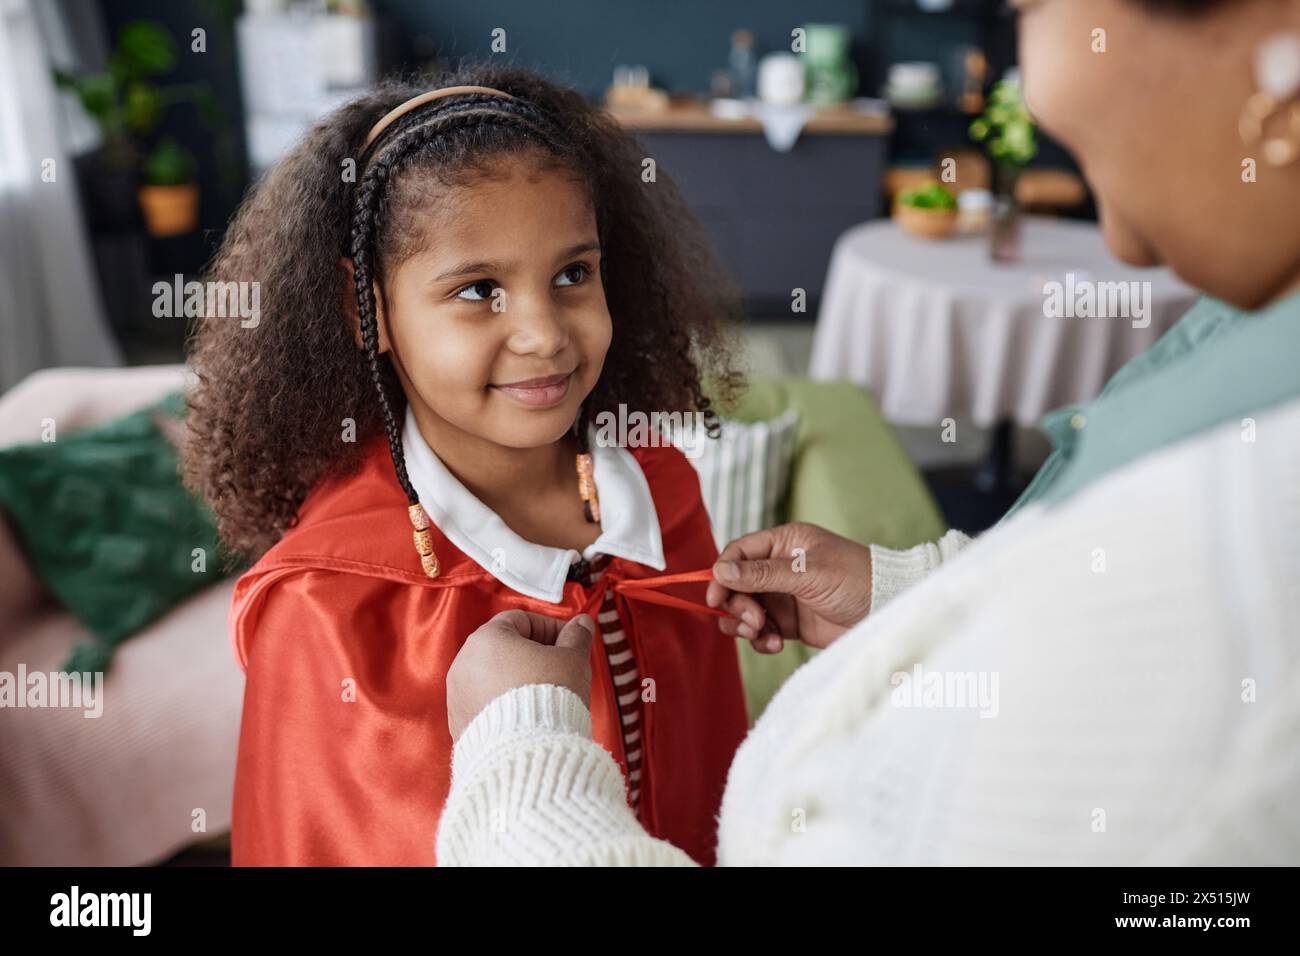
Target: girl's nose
x,y
536,328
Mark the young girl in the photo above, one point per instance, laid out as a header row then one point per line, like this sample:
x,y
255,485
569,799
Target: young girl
x,y
454,281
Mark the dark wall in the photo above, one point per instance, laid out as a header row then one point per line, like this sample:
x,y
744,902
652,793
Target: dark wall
x,y
581,41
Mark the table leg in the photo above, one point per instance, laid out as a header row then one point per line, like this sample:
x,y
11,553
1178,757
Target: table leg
x,y
975,499
997,474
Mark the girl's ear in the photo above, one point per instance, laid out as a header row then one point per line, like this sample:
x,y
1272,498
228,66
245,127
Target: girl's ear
x,y
351,310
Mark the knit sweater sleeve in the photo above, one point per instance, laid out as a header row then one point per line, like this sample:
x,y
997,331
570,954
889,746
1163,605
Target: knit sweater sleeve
x,y
529,787
894,571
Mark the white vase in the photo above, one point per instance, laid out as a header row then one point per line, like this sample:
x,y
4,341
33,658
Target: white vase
x,y
780,79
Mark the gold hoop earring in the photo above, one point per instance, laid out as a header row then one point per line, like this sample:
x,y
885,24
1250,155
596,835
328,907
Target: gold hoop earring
x,y
1277,75
1277,150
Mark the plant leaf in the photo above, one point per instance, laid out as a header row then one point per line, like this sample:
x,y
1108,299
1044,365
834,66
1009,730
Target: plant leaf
x,y
147,47
142,107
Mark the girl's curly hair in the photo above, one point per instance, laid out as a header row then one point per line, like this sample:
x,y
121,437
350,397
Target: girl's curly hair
x,y
266,415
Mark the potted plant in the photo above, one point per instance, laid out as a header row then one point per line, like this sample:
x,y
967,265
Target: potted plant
x,y
128,105
928,211
170,197
1008,135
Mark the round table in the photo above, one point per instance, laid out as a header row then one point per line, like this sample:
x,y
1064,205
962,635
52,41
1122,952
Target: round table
x,y
936,329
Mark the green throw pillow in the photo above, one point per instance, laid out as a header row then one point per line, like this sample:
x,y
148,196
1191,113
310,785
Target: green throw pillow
x,y
107,526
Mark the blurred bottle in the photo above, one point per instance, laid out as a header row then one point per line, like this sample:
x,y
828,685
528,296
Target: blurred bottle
x,y
742,64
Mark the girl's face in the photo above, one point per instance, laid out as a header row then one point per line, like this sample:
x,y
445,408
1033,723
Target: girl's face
x,y
498,324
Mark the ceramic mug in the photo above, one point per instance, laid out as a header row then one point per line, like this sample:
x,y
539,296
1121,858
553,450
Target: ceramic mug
x,y
780,79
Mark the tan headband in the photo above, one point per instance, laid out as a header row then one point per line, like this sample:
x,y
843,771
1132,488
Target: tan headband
x,y
392,116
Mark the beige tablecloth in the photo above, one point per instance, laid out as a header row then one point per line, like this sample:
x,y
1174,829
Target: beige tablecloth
x,y
937,329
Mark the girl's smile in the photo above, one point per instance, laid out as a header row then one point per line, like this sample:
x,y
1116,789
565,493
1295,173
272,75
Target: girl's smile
x,y
538,392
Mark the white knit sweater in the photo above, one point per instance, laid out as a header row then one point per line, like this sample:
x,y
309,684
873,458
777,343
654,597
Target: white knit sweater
x,y
895,571
1137,651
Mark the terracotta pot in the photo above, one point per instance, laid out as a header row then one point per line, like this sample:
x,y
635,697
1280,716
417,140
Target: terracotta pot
x,y
926,223
170,210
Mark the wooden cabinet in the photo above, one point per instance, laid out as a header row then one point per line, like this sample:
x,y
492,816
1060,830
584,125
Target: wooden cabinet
x,y
773,217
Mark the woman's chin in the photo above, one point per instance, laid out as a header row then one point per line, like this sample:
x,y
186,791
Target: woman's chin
x,y
1125,244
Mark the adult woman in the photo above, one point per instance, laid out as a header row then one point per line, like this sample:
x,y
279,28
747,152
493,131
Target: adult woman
x,y
1117,664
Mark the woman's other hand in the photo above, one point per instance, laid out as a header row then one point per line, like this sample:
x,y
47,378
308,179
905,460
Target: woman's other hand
x,y
511,650
795,582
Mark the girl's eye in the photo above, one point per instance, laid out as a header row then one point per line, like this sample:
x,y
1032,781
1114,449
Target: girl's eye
x,y
476,291
572,275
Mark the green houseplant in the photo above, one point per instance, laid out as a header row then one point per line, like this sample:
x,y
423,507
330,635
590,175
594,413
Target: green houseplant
x,y
1008,135
170,197
127,105
928,211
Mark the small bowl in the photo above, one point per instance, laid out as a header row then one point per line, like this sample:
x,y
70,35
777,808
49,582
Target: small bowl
x,y
925,223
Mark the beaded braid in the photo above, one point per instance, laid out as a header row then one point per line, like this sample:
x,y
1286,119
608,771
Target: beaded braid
x,y
389,154
586,469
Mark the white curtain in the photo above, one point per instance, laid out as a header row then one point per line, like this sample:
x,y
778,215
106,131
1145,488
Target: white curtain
x,y
50,308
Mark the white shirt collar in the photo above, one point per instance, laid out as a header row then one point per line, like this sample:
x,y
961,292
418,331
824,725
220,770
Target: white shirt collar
x,y
629,522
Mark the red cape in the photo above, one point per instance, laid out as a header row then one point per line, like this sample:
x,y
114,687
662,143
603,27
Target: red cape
x,y
344,752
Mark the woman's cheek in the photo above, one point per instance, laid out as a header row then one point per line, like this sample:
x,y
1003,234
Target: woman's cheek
x,y
1062,79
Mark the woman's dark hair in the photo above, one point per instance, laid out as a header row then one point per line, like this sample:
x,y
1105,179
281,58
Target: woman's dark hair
x,y
266,417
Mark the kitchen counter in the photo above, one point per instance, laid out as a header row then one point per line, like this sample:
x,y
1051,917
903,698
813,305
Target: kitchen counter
x,y
696,117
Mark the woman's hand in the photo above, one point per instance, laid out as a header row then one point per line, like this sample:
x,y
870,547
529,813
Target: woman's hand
x,y
513,649
795,582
